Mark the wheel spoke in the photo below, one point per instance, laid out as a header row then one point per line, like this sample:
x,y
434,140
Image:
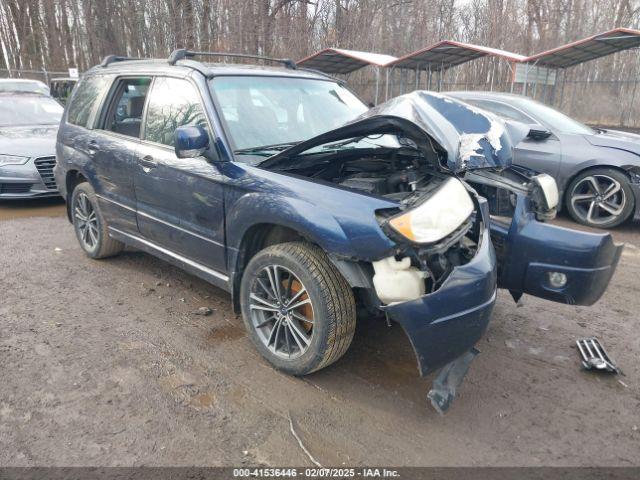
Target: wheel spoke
x,y
80,215
274,332
253,296
593,184
299,304
297,331
297,296
611,209
302,318
93,236
591,211
266,289
273,283
582,198
286,337
266,322
253,306
614,188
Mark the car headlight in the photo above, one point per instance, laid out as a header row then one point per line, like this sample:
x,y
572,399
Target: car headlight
x,y
440,215
549,189
12,160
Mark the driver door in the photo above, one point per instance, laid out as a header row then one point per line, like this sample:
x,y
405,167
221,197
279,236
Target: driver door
x,y
179,201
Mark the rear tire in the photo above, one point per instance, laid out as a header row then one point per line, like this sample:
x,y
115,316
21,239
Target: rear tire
x,y
90,225
285,275
600,198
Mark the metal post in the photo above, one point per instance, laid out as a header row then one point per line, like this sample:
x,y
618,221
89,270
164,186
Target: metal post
x,y
377,85
633,94
513,74
526,77
386,85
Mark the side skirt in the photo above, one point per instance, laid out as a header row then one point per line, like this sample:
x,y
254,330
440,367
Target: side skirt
x,y
214,277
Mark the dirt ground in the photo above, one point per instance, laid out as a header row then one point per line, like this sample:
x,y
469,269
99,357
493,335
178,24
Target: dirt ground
x,y
105,363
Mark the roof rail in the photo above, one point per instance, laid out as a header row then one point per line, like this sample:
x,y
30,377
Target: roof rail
x,y
182,53
109,59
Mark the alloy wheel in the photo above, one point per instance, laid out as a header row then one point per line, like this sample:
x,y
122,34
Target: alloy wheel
x,y
86,221
598,199
281,311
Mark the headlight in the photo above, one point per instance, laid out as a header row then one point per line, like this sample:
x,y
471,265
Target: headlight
x,y
549,188
12,160
440,215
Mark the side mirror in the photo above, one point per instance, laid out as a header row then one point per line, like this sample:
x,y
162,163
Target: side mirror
x,y
538,132
190,141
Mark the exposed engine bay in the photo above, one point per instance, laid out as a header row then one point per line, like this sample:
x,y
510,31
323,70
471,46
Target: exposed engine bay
x,y
402,175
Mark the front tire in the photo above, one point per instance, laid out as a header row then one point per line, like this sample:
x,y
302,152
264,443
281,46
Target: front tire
x,y
90,225
298,309
600,198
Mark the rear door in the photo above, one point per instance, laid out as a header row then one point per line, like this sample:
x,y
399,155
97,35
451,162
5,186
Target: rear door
x,y
179,201
113,146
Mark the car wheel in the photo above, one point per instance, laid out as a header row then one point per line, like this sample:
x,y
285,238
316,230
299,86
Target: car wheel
x,y
298,309
600,198
89,224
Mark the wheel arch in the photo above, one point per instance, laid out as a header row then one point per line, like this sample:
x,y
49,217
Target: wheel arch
x,y
73,178
256,238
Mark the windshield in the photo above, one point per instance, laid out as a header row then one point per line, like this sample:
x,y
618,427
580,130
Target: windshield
x,y
20,110
276,111
36,87
552,118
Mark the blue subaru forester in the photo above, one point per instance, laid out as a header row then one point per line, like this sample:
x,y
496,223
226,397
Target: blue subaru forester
x,y
280,186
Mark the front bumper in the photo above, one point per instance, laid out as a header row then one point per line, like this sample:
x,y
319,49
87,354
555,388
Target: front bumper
x,y
28,180
447,323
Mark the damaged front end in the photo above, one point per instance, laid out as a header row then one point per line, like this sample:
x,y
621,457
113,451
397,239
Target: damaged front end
x,y
444,166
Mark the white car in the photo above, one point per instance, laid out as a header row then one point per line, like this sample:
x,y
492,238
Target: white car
x,y
23,85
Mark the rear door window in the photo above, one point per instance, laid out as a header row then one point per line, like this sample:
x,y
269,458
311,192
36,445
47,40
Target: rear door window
x,y
173,103
125,111
86,100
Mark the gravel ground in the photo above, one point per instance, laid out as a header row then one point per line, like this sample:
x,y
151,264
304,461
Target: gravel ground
x,y
106,363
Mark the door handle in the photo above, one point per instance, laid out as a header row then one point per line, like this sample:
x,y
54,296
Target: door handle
x,y
92,148
147,162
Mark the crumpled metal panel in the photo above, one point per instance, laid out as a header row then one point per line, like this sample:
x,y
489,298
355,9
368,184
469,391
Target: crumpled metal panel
x,y
468,137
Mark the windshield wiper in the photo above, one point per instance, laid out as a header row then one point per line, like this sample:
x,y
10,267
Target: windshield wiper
x,y
276,147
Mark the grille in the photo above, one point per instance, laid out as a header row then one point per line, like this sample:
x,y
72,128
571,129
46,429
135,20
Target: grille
x,y
45,168
15,187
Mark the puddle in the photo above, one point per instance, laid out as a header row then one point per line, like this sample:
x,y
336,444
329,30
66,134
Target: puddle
x,y
39,207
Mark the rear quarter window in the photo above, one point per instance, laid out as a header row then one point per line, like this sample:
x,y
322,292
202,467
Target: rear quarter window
x,y
86,100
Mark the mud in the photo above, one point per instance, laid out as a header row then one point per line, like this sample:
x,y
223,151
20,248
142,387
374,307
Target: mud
x,y
105,363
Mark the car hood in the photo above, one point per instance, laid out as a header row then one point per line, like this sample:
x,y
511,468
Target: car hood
x,y
468,138
629,142
31,141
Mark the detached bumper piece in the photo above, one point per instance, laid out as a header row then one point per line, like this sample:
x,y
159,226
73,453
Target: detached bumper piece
x,y
595,357
446,384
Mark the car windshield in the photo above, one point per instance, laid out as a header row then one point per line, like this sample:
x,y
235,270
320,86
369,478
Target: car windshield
x,y
552,118
25,109
267,114
35,87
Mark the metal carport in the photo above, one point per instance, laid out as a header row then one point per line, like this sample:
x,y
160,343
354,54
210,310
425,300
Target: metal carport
x,y
547,67
441,56
340,61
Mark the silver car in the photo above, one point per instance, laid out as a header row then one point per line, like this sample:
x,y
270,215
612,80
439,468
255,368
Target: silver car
x,y
28,128
597,171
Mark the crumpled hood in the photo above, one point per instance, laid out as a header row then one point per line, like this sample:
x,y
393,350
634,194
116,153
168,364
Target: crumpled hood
x,y
469,138
629,142
32,141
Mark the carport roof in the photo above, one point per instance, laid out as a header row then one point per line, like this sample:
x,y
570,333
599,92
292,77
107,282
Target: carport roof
x,y
588,49
338,60
449,53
